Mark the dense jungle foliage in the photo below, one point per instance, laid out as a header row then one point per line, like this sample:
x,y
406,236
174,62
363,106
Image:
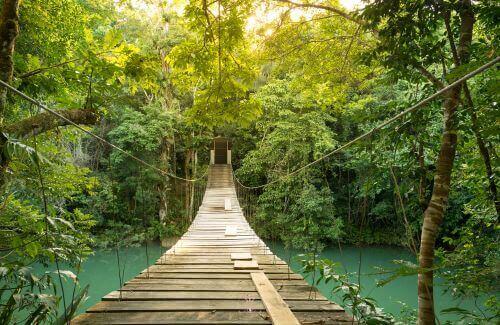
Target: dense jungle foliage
x,y
287,82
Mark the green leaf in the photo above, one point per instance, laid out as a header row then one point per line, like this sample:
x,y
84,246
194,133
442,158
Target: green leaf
x,y
73,306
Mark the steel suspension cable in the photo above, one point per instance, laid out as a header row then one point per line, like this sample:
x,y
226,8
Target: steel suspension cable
x,y
95,136
396,117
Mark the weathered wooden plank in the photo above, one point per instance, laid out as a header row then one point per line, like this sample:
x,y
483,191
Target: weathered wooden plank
x,y
183,295
324,317
213,317
249,265
188,287
241,256
276,283
179,259
275,305
304,289
194,305
226,266
234,275
231,231
219,249
238,268
185,305
197,317
227,204
199,295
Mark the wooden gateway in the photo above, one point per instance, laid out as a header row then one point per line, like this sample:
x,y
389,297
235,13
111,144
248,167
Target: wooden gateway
x,y
221,151
219,272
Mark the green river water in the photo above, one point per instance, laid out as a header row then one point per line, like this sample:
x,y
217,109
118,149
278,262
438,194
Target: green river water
x,y
101,272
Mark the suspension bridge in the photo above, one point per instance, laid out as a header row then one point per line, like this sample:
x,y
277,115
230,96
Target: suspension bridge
x,y
219,272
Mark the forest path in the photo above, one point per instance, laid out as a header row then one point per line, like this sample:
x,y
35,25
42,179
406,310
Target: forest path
x,y
219,272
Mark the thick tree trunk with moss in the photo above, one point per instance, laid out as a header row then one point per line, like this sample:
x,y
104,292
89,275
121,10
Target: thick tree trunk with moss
x,y
46,121
9,30
434,214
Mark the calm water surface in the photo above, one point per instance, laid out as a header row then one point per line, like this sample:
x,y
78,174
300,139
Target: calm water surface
x,y
394,296
101,272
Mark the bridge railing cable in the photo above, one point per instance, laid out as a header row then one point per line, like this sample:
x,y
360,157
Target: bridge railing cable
x,y
387,122
95,136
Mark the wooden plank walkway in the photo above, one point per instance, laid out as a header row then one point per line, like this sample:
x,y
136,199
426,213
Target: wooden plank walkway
x,y
210,275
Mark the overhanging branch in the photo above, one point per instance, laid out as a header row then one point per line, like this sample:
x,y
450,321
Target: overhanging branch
x,y
46,121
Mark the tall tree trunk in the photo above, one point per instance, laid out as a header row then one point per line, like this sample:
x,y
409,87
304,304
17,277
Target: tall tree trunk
x,y
166,141
9,30
163,187
462,58
433,215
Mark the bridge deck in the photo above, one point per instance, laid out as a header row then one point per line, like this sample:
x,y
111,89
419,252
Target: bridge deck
x,y
211,276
